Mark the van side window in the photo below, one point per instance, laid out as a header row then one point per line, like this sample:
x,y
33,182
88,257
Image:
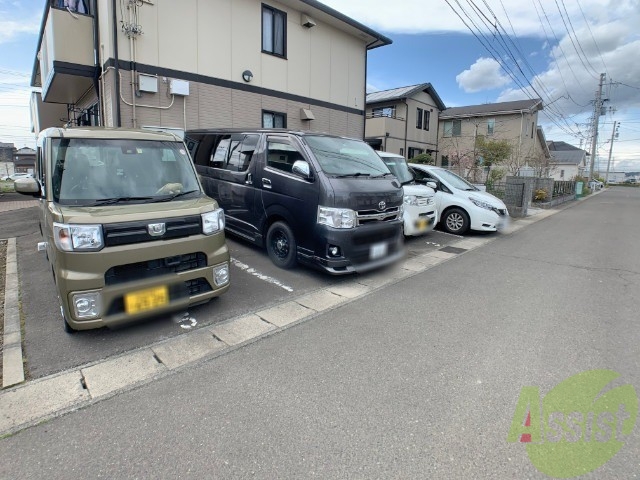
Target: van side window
x,y
234,154
282,155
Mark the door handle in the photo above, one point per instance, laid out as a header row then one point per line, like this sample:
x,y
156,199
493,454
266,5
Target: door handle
x,y
249,179
266,183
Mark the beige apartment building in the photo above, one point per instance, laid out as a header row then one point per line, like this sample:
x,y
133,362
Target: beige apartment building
x,y
201,64
515,122
404,120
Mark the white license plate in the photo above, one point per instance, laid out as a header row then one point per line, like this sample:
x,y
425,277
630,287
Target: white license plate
x,y
378,250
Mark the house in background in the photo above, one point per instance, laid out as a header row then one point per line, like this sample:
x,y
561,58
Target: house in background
x,y
24,160
203,63
568,162
6,152
516,122
404,120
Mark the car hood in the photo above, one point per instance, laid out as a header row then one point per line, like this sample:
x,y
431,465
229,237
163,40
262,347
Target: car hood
x,y
486,197
418,190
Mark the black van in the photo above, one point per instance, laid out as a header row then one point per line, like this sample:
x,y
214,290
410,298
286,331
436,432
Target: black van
x,y
322,200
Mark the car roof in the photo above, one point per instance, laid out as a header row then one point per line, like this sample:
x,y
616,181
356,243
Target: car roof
x,y
389,154
109,133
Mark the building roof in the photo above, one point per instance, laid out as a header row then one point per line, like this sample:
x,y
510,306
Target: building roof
x,y
573,157
25,151
502,108
405,92
557,146
7,145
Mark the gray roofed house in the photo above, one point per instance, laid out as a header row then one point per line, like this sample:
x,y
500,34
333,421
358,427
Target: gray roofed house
x,y
502,108
515,122
568,161
404,120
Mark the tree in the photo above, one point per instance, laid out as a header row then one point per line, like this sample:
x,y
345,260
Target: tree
x,y
424,158
493,152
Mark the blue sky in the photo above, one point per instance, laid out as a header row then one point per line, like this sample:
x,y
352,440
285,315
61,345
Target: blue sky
x,y
556,50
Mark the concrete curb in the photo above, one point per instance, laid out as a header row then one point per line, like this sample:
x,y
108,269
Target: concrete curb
x,y
12,366
22,406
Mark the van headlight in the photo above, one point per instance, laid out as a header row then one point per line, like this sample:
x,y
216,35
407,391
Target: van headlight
x,y
481,204
336,217
411,200
213,222
78,238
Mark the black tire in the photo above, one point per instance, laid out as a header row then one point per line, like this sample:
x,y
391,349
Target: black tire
x,y
281,245
65,325
456,221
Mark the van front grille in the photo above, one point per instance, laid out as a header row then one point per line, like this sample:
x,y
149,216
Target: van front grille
x,y
127,233
154,268
371,216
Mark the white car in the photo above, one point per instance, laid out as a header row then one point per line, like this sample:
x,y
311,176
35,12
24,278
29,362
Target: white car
x,y
461,206
420,213
13,177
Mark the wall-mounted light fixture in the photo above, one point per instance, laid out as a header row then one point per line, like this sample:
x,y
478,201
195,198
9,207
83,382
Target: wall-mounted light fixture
x,y
306,21
247,76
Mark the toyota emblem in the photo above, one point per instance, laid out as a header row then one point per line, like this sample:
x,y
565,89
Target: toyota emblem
x,y
382,205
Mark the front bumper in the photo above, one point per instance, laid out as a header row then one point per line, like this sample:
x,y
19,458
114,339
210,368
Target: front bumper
x,y
419,220
484,220
362,248
188,283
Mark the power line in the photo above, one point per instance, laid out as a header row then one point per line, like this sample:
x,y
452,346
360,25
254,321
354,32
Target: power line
x,y
571,38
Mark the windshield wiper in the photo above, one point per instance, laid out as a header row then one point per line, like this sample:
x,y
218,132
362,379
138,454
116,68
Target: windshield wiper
x,y
382,175
168,198
357,174
110,201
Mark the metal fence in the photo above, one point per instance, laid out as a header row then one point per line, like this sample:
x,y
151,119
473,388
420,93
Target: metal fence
x,y
561,189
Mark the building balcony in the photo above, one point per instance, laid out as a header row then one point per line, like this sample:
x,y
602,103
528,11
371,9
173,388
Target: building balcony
x,y
65,66
385,126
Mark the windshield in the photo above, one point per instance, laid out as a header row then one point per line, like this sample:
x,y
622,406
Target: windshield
x,y
346,157
399,167
454,180
101,171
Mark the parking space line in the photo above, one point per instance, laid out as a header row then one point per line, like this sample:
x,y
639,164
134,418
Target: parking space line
x,y
261,276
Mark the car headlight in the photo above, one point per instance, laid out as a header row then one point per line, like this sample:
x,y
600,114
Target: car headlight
x,y
78,238
481,204
336,217
213,222
431,201
411,200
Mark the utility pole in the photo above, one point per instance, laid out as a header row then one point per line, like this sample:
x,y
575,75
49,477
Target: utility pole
x,y
596,121
614,134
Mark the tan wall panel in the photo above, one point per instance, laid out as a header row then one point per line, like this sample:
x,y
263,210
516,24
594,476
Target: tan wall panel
x,y
322,123
299,57
147,45
274,73
177,34
214,107
246,21
356,93
320,60
214,38
339,122
340,57
355,126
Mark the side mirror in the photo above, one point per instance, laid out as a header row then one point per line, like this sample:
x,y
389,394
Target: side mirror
x,y
27,186
432,184
301,168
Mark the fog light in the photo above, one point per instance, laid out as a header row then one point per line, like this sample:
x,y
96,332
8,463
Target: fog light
x,y
334,251
86,305
221,275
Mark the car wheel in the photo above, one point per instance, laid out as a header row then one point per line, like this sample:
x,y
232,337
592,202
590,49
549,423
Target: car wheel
x,y
456,221
65,324
281,245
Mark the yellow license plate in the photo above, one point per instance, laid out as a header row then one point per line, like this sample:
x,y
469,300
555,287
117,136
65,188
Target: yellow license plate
x,y
422,224
144,300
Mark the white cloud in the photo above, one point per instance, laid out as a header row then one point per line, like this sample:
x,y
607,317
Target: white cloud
x,y
15,119
13,25
484,74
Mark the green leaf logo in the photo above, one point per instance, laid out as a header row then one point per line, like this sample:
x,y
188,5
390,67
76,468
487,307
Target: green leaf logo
x,y
584,423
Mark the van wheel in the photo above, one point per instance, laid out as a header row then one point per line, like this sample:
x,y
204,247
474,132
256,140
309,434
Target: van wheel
x,y
456,221
281,245
65,325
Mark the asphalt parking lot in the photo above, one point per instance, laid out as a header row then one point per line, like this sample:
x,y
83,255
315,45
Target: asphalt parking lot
x,y
255,283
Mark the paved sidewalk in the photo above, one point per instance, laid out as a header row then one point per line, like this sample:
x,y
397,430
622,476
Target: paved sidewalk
x,y
17,205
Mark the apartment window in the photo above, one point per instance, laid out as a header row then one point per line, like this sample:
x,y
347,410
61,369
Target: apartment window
x,y
444,161
427,119
491,125
75,6
274,31
418,119
533,128
414,151
384,112
274,120
402,152
452,128
561,173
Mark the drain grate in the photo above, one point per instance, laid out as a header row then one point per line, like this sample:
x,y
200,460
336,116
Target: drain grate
x,y
453,250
